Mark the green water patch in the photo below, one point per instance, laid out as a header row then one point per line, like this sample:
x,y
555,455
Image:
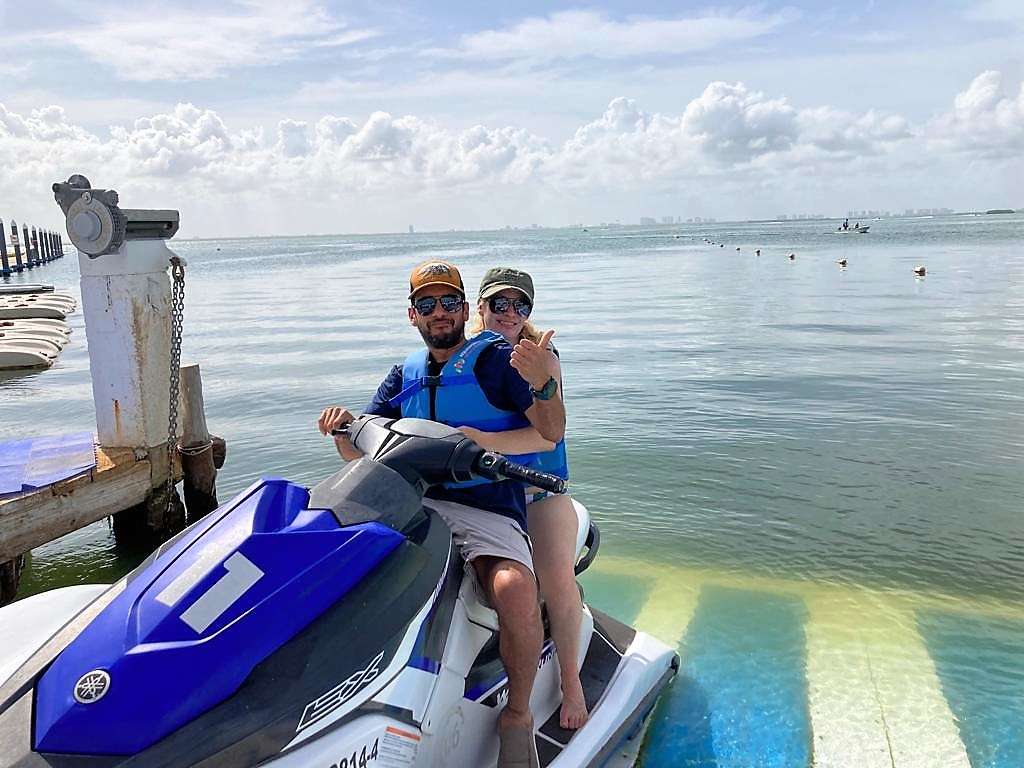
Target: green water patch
x,y
980,663
740,698
616,595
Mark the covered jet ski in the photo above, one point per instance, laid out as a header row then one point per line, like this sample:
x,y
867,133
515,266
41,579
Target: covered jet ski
x,y
296,628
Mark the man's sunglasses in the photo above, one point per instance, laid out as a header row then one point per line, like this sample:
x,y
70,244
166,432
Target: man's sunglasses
x,y
449,303
499,305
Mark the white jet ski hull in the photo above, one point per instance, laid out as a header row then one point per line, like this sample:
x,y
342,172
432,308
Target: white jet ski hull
x,y
18,288
15,355
36,323
26,311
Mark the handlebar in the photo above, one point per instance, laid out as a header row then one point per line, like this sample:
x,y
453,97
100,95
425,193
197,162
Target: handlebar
x,y
494,466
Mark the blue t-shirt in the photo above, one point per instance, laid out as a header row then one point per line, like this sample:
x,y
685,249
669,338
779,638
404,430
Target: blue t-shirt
x,y
504,389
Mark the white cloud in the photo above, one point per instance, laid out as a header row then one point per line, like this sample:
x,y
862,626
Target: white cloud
x,y
728,138
986,119
734,124
292,138
168,43
584,33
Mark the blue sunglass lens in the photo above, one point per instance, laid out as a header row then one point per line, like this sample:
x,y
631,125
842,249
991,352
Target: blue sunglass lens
x,y
500,304
426,306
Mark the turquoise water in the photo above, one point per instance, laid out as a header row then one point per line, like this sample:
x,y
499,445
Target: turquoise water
x,y
844,442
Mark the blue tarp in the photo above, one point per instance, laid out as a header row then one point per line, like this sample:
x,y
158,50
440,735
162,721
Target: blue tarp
x,y
39,461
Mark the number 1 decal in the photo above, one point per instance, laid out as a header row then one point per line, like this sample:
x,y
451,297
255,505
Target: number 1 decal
x,y
211,605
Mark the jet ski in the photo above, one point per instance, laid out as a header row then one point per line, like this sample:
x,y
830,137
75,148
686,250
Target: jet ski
x,y
295,627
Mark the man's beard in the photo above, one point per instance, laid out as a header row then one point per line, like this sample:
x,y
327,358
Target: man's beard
x,y
443,340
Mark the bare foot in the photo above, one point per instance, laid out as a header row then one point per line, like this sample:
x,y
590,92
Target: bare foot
x,y
574,707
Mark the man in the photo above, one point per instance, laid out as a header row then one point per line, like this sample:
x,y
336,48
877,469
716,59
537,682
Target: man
x,y
506,388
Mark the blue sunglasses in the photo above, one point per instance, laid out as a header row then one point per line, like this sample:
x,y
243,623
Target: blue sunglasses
x,y
449,303
500,304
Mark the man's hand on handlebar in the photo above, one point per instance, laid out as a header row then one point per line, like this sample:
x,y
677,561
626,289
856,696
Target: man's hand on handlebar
x,y
334,417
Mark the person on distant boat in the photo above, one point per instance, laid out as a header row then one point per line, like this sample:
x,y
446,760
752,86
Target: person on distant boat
x,y
504,386
857,225
504,305
846,224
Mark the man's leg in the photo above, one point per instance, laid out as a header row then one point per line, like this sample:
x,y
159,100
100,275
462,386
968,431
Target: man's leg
x,y
511,589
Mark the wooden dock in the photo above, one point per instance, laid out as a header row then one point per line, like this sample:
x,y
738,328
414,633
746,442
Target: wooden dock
x,y
122,479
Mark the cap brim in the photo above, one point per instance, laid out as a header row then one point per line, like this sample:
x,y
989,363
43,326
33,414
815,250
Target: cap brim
x,y
490,290
455,288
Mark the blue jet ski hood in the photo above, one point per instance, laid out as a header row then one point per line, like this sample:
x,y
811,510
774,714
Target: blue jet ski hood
x,y
190,625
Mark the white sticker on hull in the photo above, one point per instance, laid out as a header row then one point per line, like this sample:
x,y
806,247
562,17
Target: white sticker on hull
x,y
398,748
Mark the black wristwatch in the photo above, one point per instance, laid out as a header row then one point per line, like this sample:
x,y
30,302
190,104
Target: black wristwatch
x,y
547,391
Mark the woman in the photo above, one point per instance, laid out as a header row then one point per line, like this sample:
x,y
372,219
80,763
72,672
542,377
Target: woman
x,y
504,305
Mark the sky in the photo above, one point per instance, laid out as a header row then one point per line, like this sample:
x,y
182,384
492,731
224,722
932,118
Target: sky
x,y
254,117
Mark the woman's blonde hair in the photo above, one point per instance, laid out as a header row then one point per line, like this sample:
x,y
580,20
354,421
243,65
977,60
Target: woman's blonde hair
x,y
476,325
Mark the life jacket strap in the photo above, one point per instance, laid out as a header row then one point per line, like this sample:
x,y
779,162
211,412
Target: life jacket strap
x,y
426,382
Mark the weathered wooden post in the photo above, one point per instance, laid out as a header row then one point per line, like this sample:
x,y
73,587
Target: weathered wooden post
x,y
197,460
52,241
127,306
35,247
28,247
43,249
5,266
18,267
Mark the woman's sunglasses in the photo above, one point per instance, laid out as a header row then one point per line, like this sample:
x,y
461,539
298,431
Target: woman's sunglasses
x,y
499,305
450,303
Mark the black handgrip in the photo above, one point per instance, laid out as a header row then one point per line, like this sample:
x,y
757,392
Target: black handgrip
x,y
497,467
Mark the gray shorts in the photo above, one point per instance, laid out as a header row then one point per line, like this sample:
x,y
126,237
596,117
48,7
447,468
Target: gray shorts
x,y
478,533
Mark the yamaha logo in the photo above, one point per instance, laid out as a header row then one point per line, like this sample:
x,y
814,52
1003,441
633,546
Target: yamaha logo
x,y
92,686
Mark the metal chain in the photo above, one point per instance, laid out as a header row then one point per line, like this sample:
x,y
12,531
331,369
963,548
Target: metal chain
x,y
177,322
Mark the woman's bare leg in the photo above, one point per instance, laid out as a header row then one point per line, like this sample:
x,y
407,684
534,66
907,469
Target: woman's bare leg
x,y
552,523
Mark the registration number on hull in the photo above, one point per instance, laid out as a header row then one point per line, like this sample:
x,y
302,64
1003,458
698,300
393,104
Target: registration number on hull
x,y
360,759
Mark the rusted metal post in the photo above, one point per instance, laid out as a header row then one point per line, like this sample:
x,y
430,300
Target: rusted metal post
x,y
28,246
18,266
197,461
5,266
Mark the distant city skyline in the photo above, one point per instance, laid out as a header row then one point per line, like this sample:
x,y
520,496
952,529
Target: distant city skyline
x,y
253,117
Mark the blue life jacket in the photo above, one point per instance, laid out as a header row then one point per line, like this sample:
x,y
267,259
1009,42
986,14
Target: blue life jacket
x,y
554,462
459,400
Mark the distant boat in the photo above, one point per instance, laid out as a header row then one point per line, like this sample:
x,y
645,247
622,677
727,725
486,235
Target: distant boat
x,y
859,229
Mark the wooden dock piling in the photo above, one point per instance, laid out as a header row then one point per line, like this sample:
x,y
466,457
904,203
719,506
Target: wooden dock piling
x,y
5,265
28,247
197,461
18,267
